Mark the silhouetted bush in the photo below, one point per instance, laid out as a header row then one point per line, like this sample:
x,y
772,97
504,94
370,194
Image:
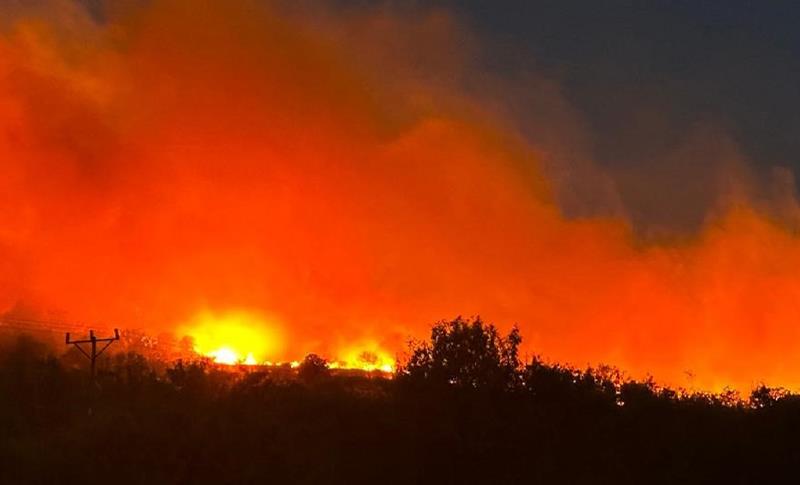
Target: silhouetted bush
x,y
462,410
465,353
313,368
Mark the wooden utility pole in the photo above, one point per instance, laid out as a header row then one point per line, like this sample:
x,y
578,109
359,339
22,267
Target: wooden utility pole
x,y
94,353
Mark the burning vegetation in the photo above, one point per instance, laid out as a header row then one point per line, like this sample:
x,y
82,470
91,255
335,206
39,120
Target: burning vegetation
x,y
274,179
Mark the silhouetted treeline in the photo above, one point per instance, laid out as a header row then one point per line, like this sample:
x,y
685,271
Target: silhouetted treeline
x,y
462,408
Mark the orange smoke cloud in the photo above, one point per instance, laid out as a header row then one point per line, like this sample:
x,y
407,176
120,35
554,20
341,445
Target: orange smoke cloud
x,y
188,158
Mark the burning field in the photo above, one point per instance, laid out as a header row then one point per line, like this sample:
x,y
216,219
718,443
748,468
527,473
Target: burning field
x,y
278,179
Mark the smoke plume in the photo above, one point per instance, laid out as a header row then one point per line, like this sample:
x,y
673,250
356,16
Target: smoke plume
x,y
355,175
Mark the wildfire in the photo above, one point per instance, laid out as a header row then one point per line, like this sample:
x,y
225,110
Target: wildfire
x,y
228,356
367,357
248,157
237,337
244,338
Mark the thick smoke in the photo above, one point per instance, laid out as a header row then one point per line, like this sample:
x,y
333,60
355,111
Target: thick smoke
x,y
354,176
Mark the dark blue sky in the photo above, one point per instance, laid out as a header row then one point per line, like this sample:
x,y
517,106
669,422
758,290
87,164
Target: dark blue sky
x,y
736,62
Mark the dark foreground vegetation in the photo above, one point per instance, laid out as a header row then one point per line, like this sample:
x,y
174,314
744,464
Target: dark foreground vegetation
x,y
462,409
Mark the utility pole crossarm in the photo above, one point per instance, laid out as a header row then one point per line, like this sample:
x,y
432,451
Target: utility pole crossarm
x,y
90,339
93,340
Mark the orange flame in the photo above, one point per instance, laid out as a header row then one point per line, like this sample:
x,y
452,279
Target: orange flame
x,y
236,337
368,356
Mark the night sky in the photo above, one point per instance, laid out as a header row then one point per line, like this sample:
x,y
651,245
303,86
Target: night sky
x,y
733,61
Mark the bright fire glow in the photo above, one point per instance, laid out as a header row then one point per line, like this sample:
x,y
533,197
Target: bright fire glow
x,y
242,338
367,357
224,356
232,338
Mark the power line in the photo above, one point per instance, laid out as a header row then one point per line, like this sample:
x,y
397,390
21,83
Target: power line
x,y
42,325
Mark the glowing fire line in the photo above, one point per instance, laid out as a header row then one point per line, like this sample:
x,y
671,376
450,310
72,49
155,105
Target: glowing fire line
x,y
367,362
247,338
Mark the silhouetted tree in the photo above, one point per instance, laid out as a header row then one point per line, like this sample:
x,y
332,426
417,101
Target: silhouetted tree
x,y
313,368
466,353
